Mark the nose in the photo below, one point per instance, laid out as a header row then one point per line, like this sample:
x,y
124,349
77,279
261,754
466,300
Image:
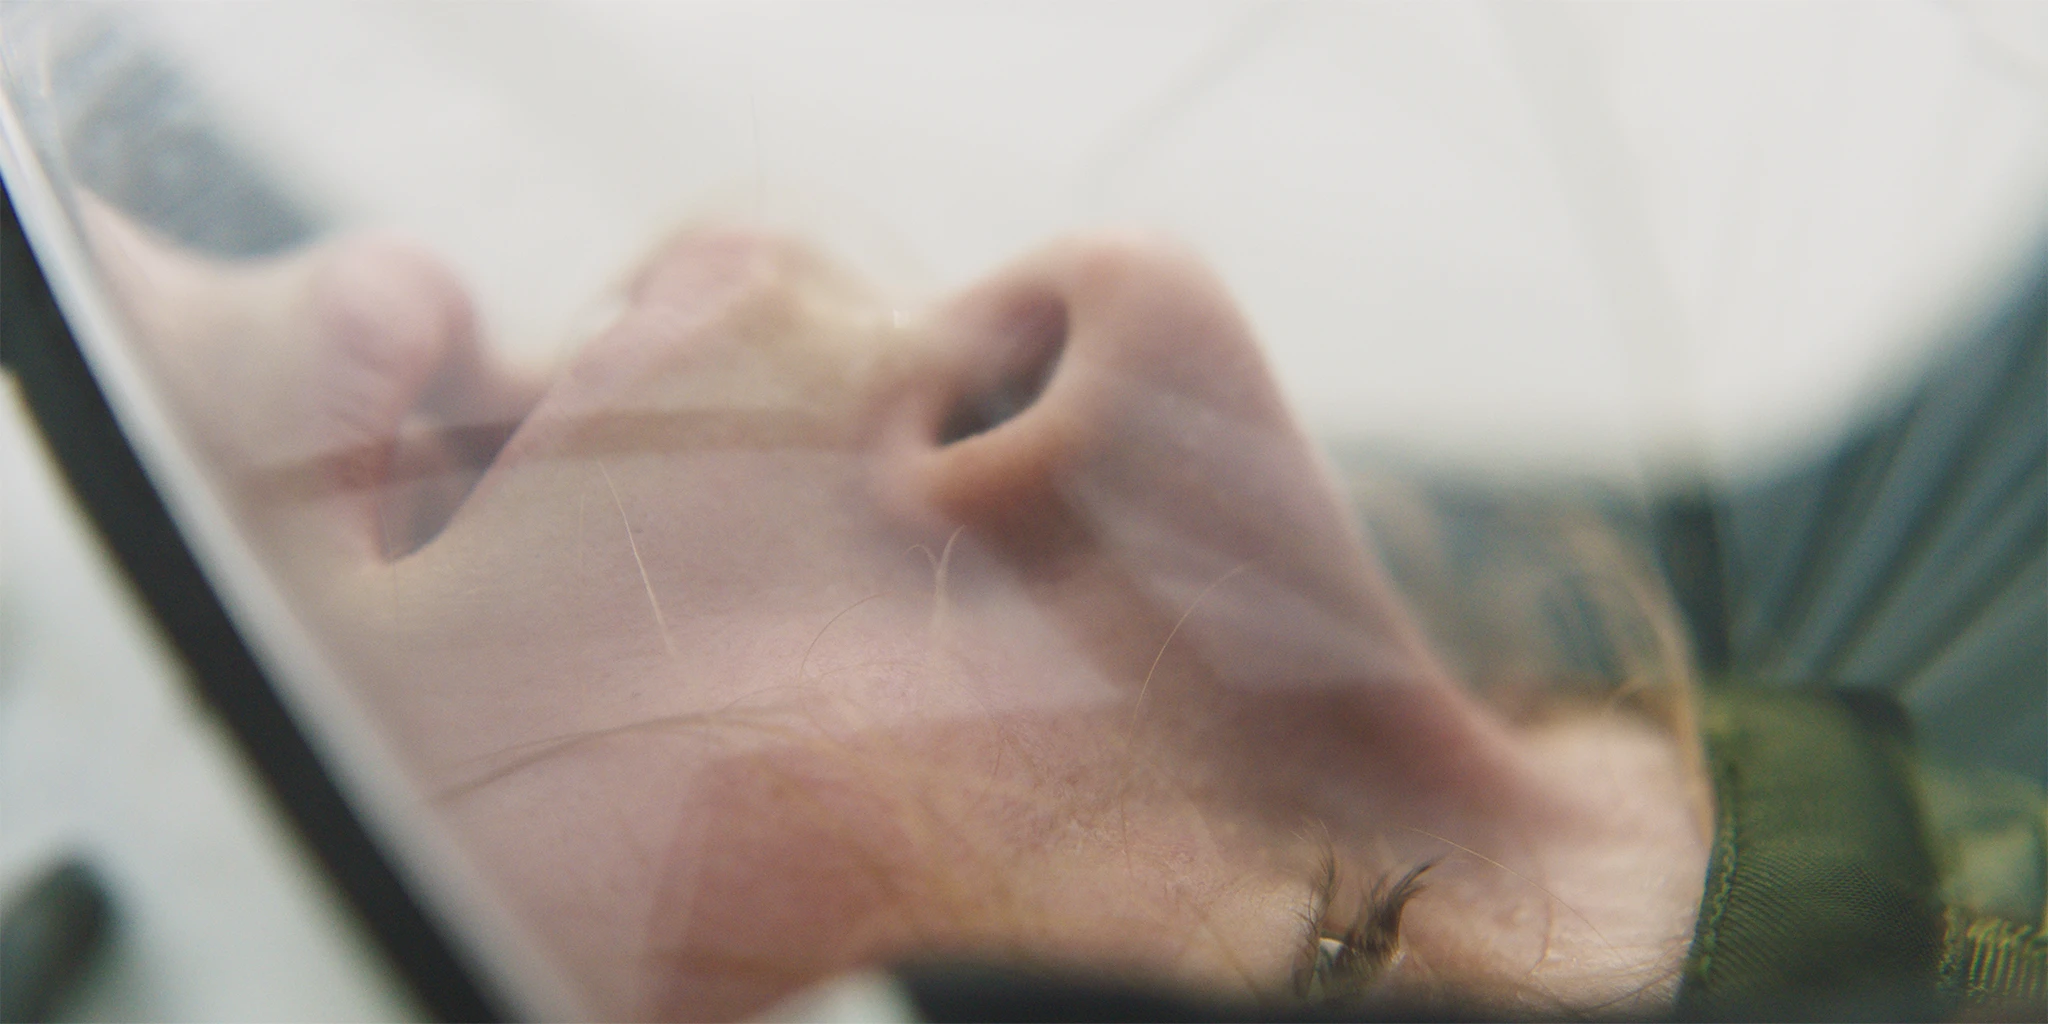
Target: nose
x,y
1106,348
1107,420
1105,397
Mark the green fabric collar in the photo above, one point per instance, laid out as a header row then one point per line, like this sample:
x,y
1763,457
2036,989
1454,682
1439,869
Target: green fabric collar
x,y
1820,897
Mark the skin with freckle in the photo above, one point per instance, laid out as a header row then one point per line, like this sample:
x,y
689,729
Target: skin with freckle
x,y
782,633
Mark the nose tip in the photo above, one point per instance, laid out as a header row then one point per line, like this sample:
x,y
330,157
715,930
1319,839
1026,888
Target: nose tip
x,y
1056,359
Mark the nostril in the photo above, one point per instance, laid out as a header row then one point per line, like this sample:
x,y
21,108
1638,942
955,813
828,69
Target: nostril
x,y
434,467
991,407
1019,362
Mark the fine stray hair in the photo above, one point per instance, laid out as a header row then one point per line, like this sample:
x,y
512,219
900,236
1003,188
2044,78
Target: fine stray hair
x,y
942,600
667,642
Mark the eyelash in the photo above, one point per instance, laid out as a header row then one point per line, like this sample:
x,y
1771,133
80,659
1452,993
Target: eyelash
x,y
1343,963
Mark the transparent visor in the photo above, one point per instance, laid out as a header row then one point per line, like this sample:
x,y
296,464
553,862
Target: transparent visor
x,y
744,494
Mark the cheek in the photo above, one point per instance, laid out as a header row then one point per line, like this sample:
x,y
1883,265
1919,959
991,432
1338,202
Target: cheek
x,y
1017,840
783,874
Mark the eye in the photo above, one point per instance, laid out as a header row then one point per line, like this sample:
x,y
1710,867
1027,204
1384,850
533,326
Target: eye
x,y
1345,956
1329,963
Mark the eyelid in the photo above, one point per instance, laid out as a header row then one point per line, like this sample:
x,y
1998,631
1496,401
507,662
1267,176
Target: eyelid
x,y
1371,937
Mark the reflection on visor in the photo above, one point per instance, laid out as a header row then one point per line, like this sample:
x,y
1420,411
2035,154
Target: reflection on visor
x,y
735,621
794,623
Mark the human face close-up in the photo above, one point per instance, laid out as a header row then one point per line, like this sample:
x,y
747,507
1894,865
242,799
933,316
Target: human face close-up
x,y
790,632
1153,511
